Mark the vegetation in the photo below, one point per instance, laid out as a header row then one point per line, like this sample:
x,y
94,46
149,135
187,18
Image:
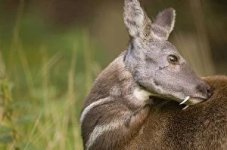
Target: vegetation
x,y
44,85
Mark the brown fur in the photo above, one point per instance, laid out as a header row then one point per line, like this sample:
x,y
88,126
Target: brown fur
x,y
132,116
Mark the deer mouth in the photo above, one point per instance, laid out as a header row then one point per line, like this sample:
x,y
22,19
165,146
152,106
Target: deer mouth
x,y
185,100
191,100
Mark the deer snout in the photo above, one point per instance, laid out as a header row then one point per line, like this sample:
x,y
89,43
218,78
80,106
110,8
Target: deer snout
x,y
203,92
204,89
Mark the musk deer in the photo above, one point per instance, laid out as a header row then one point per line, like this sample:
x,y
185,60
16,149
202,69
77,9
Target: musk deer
x,y
120,111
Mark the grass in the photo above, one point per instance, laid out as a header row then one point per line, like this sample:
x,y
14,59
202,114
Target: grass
x,y
45,83
47,95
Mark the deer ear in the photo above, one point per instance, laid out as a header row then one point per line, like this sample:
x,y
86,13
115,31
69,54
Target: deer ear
x,y
164,23
135,19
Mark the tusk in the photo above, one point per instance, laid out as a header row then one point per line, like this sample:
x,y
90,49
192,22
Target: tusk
x,y
185,100
185,107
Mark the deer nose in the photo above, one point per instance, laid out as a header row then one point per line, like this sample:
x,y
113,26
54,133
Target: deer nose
x,y
205,89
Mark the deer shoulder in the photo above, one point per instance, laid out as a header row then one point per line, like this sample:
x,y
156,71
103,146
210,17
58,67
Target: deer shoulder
x,y
115,111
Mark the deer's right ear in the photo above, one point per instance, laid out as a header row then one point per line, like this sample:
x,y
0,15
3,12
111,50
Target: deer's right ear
x,y
164,24
135,19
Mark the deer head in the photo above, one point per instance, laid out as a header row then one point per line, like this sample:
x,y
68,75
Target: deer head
x,y
154,62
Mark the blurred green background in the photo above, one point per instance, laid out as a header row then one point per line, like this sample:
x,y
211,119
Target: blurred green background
x,y
52,50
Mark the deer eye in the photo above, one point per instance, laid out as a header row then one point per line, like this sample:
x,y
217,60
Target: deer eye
x,y
173,59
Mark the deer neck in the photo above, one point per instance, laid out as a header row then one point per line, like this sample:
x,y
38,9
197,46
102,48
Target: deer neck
x,y
118,83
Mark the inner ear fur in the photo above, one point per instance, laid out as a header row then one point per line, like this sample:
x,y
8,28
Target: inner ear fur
x,y
164,24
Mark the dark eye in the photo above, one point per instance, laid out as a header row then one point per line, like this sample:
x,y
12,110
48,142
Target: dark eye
x,y
173,59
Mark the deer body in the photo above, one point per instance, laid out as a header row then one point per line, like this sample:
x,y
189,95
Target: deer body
x,y
134,103
200,127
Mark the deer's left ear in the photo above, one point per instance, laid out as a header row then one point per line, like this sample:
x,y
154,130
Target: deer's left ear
x,y
164,24
136,20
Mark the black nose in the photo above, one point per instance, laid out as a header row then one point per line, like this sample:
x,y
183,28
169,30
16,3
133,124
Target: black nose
x,y
205,89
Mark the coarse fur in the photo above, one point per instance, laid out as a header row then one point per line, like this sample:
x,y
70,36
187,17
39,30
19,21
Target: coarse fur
x,y
121,103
